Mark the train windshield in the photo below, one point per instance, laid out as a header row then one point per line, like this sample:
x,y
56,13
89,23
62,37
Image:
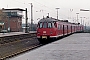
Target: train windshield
x,y
40,25
49,25
53,25
43,25
46,25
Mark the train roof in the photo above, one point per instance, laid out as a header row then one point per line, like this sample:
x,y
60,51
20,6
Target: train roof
x,y
48,20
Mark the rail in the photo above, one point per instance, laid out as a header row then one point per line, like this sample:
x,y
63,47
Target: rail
x,y
12,38
13,45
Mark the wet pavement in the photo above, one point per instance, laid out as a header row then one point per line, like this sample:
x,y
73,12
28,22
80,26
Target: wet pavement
x,y
73,47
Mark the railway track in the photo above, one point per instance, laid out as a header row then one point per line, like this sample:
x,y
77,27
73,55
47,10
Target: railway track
x,y
21,45
10,39
19,52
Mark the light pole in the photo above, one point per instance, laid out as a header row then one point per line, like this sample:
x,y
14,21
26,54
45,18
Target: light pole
x,y
57,12
71,17
82,21
26,30
77,17
31,7
8,23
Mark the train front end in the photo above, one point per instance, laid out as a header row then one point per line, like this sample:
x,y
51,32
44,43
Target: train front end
x,y
46,30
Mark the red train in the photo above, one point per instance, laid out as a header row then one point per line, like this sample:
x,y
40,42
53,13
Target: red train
x,y
51,28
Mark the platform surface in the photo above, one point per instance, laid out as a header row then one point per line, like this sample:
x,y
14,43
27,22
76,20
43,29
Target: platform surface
x,y
73,47
14,33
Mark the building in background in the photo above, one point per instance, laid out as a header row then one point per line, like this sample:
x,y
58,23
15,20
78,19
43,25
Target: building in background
x,y
3,19
11,19
34,27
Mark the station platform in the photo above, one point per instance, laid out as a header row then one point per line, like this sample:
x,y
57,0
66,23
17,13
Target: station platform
x,y
11,34
73,47
14,33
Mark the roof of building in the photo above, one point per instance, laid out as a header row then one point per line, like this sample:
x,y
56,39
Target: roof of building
x,y
14,9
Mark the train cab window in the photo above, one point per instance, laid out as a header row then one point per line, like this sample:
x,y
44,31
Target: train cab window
x,y
53,25
44,25
49,25
40,25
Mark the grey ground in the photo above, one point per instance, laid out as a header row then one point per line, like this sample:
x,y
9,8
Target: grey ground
x,y
73,47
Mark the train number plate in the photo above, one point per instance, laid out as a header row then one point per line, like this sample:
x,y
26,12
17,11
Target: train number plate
x,y
44,37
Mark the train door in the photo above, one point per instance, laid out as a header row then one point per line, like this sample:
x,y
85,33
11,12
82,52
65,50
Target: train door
x,y
63,30
71,28
58,32
67,29
60,29
74,28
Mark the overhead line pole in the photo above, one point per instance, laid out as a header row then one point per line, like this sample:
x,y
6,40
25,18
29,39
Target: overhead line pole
x,y
57,12
77,18
31,16
26,30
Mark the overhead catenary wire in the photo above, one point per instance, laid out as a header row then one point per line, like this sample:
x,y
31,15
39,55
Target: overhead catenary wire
x,y
49,8
45,8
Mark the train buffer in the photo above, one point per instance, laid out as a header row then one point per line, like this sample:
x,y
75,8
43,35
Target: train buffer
x,y
73,47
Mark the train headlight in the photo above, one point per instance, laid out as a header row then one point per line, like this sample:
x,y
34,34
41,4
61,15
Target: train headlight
x,y
38,32
51,32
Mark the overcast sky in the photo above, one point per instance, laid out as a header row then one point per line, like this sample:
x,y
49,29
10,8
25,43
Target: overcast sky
x,y
68,8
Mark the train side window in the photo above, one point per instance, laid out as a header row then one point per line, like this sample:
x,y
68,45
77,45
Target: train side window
x,y
58,26
65,27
